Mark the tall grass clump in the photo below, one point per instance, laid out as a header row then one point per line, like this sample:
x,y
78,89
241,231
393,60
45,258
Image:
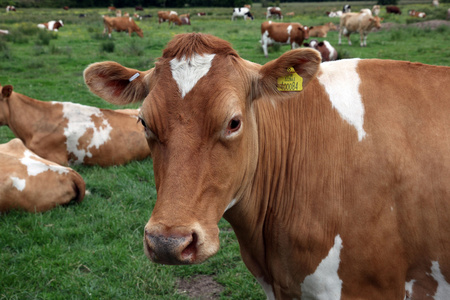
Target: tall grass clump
x,y
44,37
5,52
134,49
107,46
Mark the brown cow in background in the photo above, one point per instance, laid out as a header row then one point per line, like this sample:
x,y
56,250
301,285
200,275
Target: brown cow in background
x,y
121,24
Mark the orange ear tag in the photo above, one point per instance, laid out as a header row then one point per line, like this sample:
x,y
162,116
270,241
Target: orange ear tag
x,y
290,83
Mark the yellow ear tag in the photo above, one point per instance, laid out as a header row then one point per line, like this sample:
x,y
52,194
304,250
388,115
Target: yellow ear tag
x,y
290,83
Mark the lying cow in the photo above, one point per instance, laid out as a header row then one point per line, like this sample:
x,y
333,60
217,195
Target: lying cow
x,y
121,24
243,12
34,184
338,189
417,14
358,22
274,11
333,14
327,52
10,8
52,25
321,30
170,16
69,133
393,10
284,33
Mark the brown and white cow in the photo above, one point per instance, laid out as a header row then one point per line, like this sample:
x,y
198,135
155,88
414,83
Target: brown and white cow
x,y
51,25
185,19
361,22
121,24
340,190
417,14
70,133
321,30
327,52
274,11
10,8
170,16
34,184
284,33
376,10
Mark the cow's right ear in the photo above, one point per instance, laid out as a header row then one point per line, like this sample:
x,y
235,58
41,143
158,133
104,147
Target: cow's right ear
x,y
7,91
117,84
305,62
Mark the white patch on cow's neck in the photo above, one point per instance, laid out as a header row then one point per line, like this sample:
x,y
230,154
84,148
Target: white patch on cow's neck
x,y
36,166
267,288
230,205
443,288
79,121
409,288
18,183
188,71
325,283
341,82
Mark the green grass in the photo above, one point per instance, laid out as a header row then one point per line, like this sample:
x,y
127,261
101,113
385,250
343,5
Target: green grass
x,y
94,249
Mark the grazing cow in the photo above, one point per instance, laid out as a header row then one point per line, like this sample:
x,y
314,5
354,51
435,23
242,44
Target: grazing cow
x,y
68,133
185,19
10,8
339,189
274,11
243,12
327,52
376,10
170,16
322,30
34,184
139,7
393,10
52,25
121,24
418,14
347,8
358,22
284,33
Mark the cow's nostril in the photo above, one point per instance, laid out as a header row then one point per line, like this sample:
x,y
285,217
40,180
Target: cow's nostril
x,y
190,251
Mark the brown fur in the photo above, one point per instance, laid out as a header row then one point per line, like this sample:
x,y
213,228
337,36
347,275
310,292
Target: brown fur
x,y
321,30
121,24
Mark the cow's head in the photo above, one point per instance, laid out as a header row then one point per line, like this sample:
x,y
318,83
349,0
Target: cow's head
x,y
199,119
376,21
6,92
303,31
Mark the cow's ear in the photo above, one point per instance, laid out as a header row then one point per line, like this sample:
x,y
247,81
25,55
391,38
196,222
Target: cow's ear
x,y
305,62
7,91
116,83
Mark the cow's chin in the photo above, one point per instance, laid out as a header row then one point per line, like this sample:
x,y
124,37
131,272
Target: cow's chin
x,y
180,246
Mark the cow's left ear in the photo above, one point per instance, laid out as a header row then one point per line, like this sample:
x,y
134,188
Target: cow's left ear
x,y
306,63
7,91
116,83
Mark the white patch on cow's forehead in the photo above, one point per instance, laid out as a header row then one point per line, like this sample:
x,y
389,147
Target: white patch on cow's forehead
x,y
18,183
188,71
36,166
267,288
325,283
443,288
341,82
409,286
79,121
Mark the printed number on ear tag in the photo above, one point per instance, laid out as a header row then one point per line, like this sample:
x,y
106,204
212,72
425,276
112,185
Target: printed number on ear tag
x,y
290,83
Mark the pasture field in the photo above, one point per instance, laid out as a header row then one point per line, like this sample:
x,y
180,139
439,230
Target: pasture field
x,y
94,250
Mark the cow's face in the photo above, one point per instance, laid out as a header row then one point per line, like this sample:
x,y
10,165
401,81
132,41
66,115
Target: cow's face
x,y
201,127
376,21
6,92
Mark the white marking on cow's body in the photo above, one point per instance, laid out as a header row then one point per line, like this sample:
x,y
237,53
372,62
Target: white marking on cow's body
x,y
79,122
330,48
325,283
267,288
35,166
18,183
443,288
341,82
188,71
409,288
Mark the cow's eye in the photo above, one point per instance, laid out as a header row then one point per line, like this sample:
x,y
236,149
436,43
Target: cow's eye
x,y
148,133
142,122
233,125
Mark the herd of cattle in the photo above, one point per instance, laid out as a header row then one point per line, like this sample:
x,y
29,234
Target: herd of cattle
x,y
339,188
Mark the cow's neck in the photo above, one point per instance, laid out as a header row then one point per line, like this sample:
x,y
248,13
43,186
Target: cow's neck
x,y
27,116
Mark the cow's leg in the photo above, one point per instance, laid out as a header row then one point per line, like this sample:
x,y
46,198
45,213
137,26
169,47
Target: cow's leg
x,y
349,41
361,38
340,33
265,42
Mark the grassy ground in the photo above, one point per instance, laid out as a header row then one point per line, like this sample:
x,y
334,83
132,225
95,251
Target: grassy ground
x,y
94,250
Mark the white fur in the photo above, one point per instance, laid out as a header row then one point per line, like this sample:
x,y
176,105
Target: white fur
x,y
79,121
341,82
443,288
18,183
267,288
188,71
231,204
409,287
36,166
324,283
330,48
